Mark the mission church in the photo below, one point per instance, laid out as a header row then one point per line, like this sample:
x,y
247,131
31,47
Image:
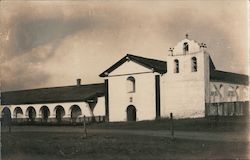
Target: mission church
x,y
186,83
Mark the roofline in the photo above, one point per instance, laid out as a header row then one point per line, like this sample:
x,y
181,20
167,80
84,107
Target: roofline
x,y
42,102
113,67
224,81
245,77
124,59
138,62
51,88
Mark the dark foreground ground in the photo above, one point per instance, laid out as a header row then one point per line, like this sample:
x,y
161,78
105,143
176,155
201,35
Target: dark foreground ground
x,y
57,146
129,141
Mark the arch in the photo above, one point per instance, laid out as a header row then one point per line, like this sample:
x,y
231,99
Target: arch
x,y
131,84
213,93
45,113
31,113
18,112
237,91
59,112
245,92
6,116
231,93
75,112
131,113
221,90
230,88
176,66
185,47
194,64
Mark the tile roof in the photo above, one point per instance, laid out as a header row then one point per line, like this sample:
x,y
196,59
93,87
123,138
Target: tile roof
x,y
53,95
228,77
156,65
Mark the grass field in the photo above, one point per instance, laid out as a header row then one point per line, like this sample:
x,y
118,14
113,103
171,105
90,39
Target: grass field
x,y
189,124
28,143
211,124
60,146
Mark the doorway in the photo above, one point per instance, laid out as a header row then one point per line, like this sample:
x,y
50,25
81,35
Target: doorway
x,y
131,113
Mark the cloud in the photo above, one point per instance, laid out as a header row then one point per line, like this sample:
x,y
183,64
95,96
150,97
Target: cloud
x,y
27,33
21,74
52,43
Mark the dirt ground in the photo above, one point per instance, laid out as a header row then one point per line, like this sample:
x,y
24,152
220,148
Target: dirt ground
x,y
67,143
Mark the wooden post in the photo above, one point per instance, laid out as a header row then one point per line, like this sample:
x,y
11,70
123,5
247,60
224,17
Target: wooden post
x,y
172,125
84,125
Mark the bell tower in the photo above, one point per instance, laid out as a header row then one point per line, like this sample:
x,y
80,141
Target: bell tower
x,y
186,79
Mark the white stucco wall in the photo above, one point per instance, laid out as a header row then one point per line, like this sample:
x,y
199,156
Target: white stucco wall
x,y
129,67
143,97
185,91
98,111
193,47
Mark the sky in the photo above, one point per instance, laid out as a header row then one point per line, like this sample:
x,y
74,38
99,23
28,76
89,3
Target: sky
x,y
52,43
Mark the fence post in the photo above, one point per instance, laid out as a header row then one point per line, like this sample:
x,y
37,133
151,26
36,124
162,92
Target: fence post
x,y
84,125
172,125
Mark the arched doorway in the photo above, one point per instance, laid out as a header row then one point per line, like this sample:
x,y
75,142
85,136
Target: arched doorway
x,y
6,116
131,113
31,112
18,112
60,112
75,112
44,111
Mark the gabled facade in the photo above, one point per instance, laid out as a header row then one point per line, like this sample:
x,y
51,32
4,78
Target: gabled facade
x,y
133,85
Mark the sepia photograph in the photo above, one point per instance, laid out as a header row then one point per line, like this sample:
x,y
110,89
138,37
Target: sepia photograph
x,y
124,80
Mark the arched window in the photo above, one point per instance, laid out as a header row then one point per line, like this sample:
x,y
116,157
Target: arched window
x,y
131,84
176,66
185,47
194,64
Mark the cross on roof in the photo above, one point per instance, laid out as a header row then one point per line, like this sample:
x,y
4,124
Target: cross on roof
x,y
186,36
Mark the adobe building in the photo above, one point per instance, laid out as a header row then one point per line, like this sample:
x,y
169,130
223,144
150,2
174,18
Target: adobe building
x,y
185,83
55,104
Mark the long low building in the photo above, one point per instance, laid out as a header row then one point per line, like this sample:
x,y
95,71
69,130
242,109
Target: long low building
x,y
56,104
186,83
